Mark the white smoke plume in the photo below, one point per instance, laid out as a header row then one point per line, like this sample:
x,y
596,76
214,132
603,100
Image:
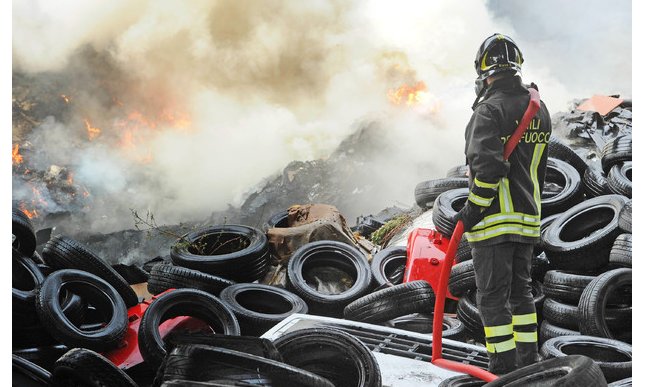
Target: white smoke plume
x,y
238,88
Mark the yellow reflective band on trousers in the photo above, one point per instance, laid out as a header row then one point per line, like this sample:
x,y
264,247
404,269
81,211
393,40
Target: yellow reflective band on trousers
x,y
525,319
525,337
482,184
498,330
480,201
535,162
504,346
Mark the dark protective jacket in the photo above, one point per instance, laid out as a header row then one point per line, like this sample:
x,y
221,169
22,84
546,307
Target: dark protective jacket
x,y
507,192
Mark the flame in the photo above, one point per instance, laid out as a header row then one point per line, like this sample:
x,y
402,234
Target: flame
x,y
30,214
408,95
16,157
66,98
92,132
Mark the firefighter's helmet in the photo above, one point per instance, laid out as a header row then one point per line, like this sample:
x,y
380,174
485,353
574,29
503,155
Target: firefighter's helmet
x,y
497,54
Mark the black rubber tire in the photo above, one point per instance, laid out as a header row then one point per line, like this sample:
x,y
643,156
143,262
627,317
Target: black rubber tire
x,y
464,251
27,374
259,307
615,151
422,323
593,301
333,354
328,254
621,251
564,286
581,238
97,292
84,367
388,265
570,191
595,182
164,276
192,383
559,150
23,229
446,207
245,263
181,302
625,217
462,278
426,192
612,356
62,252
567,316
569,371
26,278
545,222
279,219
620,179
468,314
462,381
459,171
386,304
253,345
627,382
549,331
195,363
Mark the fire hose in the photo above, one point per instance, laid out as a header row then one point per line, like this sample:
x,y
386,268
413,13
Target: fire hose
x,y
440,297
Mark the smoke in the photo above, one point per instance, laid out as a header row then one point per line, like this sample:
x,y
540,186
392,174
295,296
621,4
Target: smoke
x,y
198,101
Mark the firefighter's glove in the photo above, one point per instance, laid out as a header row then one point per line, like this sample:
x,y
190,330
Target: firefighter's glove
x,y
470,215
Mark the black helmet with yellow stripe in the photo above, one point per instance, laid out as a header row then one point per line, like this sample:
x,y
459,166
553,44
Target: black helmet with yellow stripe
x,y
497,54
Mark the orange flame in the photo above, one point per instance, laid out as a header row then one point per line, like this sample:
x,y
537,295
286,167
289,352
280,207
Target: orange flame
x,y
30,214
92,132
16,157
408,95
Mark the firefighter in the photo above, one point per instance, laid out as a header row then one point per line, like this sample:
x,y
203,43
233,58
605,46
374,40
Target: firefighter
x,y
502,214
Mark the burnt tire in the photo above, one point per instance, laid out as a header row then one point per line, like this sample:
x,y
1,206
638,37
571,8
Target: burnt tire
x,y
561,151
164,276
235,252
395,301
568,371
194,363
62,252
567,316
93,290
181,302
460,171
259,307
388,265
562,187
581,238
549,331
84,367
310,258
333,354
595,182
615,151
426,192
612,356
23,230
446,207
462,278
620,179
621,251
594,299
625,217
24,373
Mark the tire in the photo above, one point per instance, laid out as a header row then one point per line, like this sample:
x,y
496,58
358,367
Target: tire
x,y
549,331
561,151
468,314
396,301
446,207
581,238
27,374
593,301
426,192
62,252
620,179
23,230
388,265
569,371
464,251
25,279
612,356
422,323
462,278
621,251
565,287
328,254
562,187
164,276
247,344
625,217
462,381
181,302
595,182
616,151
627,382
335,355
259,307
97,292
195,363
460,171
567,316
279,219
81,366
245,257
